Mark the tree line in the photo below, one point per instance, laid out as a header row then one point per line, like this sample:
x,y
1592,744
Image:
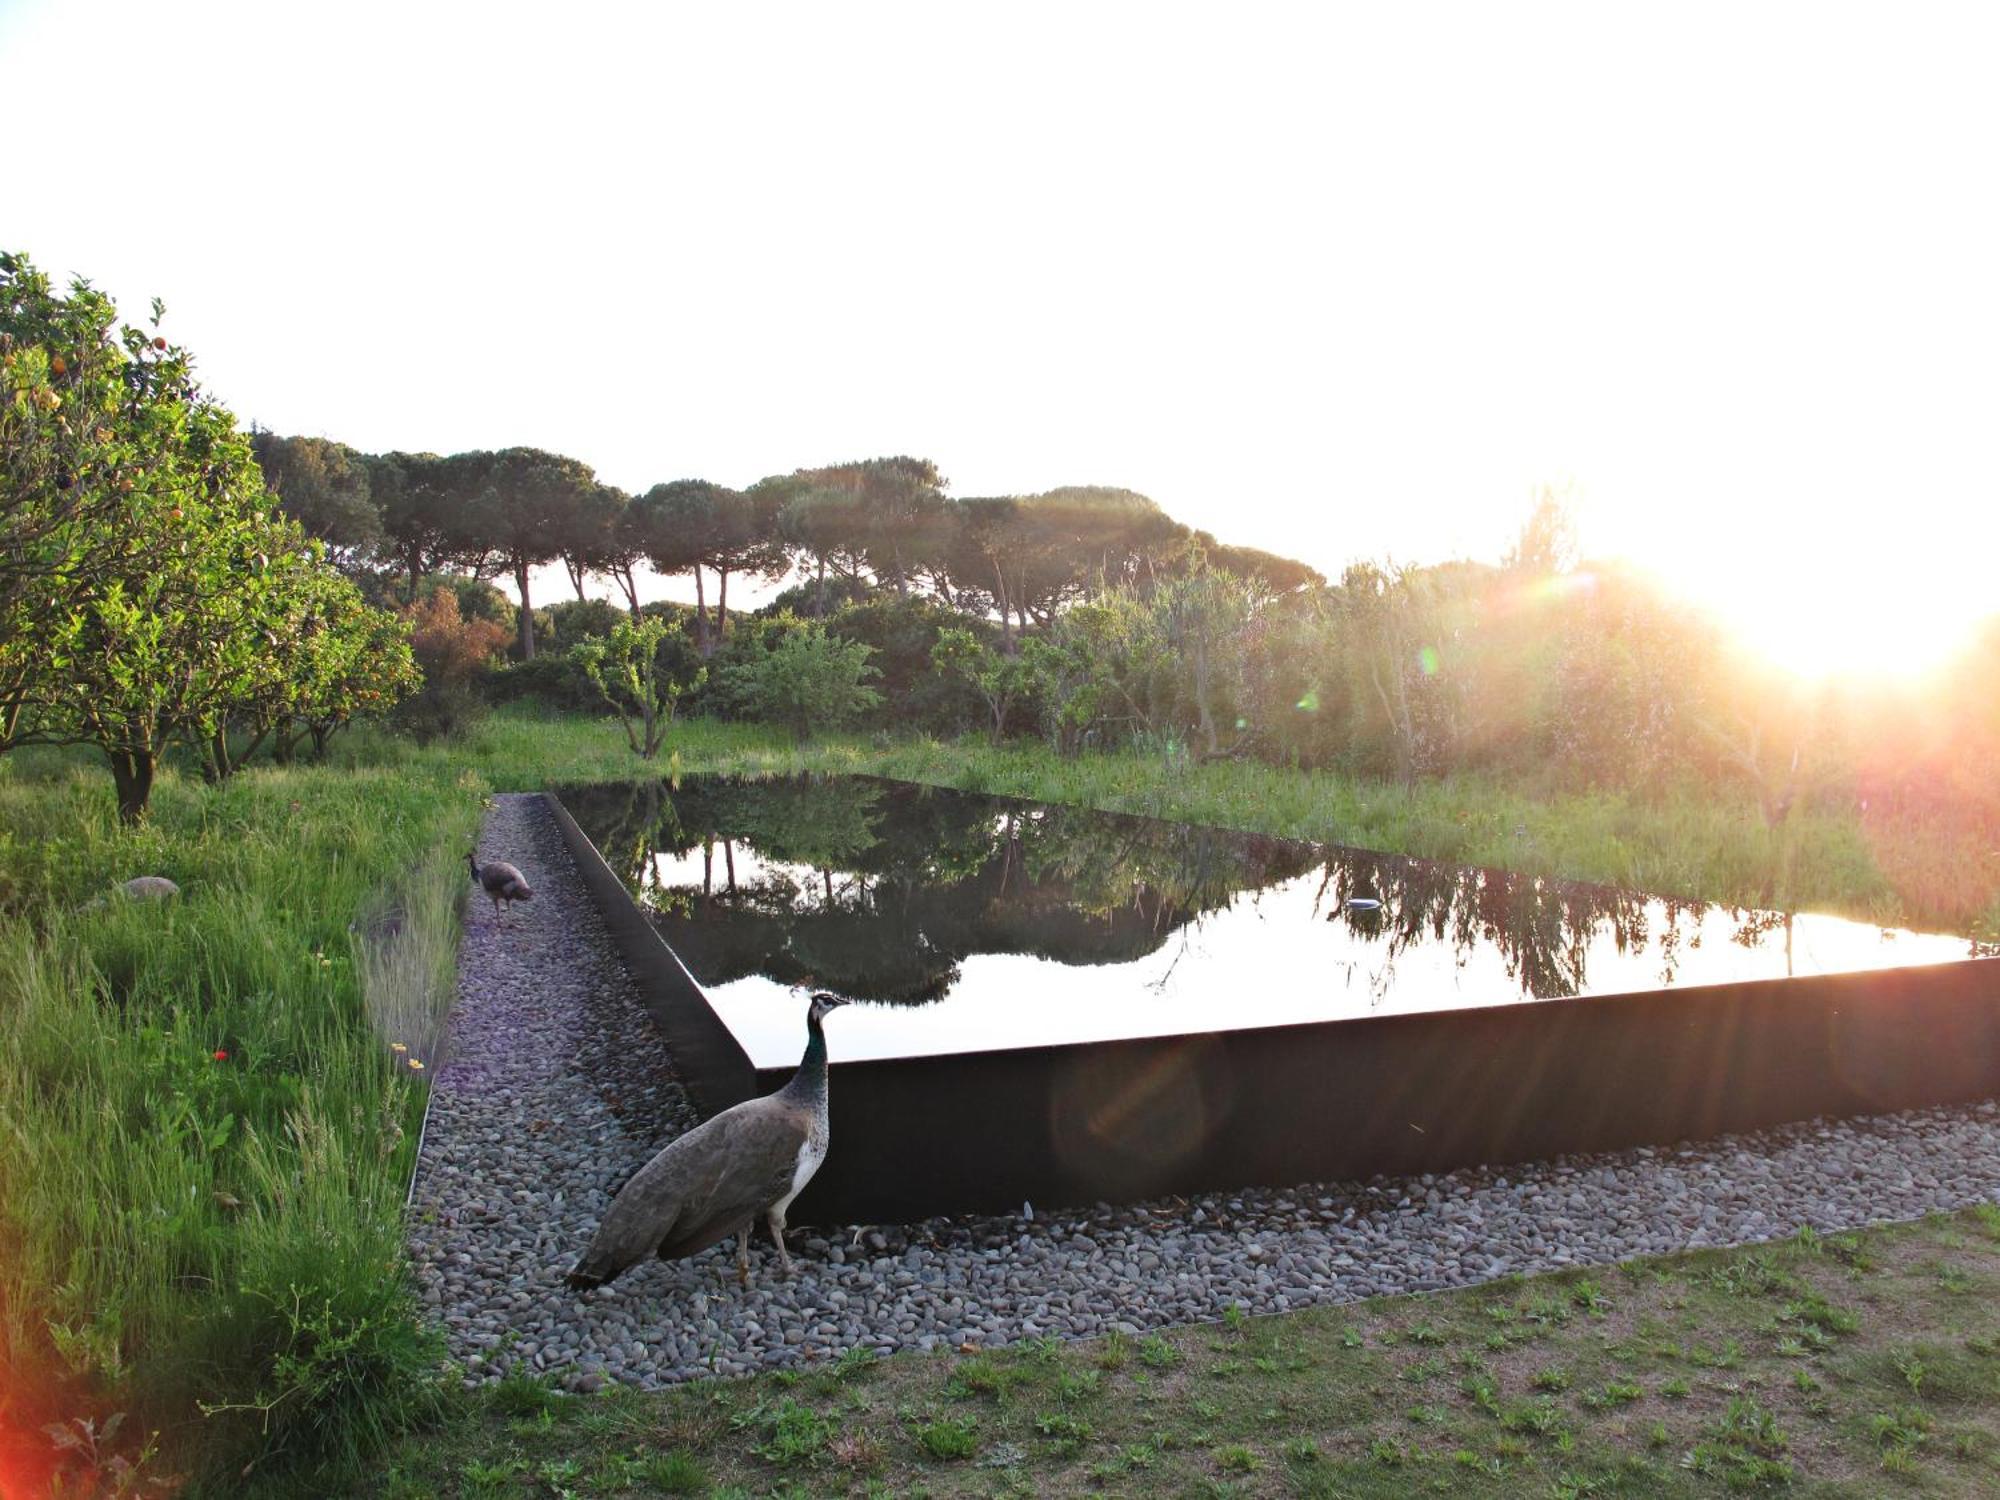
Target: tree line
x,y
879,523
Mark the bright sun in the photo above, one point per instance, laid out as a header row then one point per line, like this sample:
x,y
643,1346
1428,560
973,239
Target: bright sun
x,y
1827,617
1833,589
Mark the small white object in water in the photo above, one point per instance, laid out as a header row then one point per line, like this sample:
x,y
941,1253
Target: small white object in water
x,y
1363,903
1027,1210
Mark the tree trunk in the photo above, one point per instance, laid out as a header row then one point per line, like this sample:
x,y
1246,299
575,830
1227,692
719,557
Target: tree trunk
x,y
415,559
576,571
628,583
721,605
701,617
132,772
256,740
1000,598
819,609
218,766
1207,719
527,625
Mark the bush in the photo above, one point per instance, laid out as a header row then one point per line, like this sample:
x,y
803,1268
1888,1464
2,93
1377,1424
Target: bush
x,y
632,670
810,681
563,625
802,599
902,634
453,652
551,680
729,693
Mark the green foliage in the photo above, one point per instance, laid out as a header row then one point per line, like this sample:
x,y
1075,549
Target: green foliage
x,y
949,1438
205,1132
903,633
1098,671
809,681
323,485
521,506
95,420
692,524
791,1431
148,593
1001,681
569,621
634,673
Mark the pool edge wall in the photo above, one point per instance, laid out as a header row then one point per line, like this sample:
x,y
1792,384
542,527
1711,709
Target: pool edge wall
x,y
1430,1091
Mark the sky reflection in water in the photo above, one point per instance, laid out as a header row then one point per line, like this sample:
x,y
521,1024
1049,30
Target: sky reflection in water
x,y
976,922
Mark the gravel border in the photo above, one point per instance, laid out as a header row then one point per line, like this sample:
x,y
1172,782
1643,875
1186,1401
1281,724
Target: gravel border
x,y
556,1087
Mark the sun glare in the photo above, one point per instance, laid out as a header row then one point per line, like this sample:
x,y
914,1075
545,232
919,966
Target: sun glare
x,y
1839,618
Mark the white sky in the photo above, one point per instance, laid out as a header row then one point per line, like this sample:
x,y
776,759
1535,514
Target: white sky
x,y
1338,281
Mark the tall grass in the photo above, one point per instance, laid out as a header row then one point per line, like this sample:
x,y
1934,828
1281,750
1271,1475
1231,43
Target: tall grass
x,y
204,1132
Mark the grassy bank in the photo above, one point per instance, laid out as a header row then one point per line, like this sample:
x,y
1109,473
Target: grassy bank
x,y
206,1125
1691,841
1862,1364
207,1133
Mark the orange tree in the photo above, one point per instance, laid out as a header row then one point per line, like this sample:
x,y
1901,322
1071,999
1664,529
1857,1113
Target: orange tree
x,y
148,587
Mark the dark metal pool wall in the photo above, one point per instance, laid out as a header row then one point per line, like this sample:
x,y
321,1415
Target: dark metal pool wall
x,y
713,1067
1427,1091
1396,1094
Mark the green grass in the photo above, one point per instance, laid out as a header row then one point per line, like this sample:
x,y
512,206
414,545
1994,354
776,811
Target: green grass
x,y
1693,841
212,1246
207,1135
1605,1384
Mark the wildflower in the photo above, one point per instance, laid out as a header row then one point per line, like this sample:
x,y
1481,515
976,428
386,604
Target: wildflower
x,y
222,1054
397,1047
415,1066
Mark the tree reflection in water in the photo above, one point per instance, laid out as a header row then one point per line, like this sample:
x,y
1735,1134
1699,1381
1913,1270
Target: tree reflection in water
x,y
880,890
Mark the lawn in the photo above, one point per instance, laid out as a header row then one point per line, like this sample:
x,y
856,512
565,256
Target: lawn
x,y
1857,1364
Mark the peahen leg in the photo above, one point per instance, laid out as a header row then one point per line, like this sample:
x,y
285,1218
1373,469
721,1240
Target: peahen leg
x,y
776,1220
743,1252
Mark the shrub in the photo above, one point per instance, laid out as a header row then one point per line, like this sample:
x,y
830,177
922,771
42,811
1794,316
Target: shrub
x,y
564,624
903,633
634,673
810,681
551,679
452,651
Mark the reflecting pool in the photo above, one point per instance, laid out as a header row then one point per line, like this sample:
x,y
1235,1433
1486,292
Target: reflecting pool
x,y
975,922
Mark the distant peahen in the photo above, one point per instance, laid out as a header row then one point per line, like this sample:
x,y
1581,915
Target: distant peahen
x,y
500,881
750,1160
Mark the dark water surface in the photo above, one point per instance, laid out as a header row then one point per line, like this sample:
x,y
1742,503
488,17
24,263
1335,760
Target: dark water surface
x,y
974,922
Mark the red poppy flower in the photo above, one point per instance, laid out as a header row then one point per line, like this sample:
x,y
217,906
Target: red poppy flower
x,y
222,1054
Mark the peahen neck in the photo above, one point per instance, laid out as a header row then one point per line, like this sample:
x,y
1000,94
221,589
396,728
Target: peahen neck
x,y
808,1085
